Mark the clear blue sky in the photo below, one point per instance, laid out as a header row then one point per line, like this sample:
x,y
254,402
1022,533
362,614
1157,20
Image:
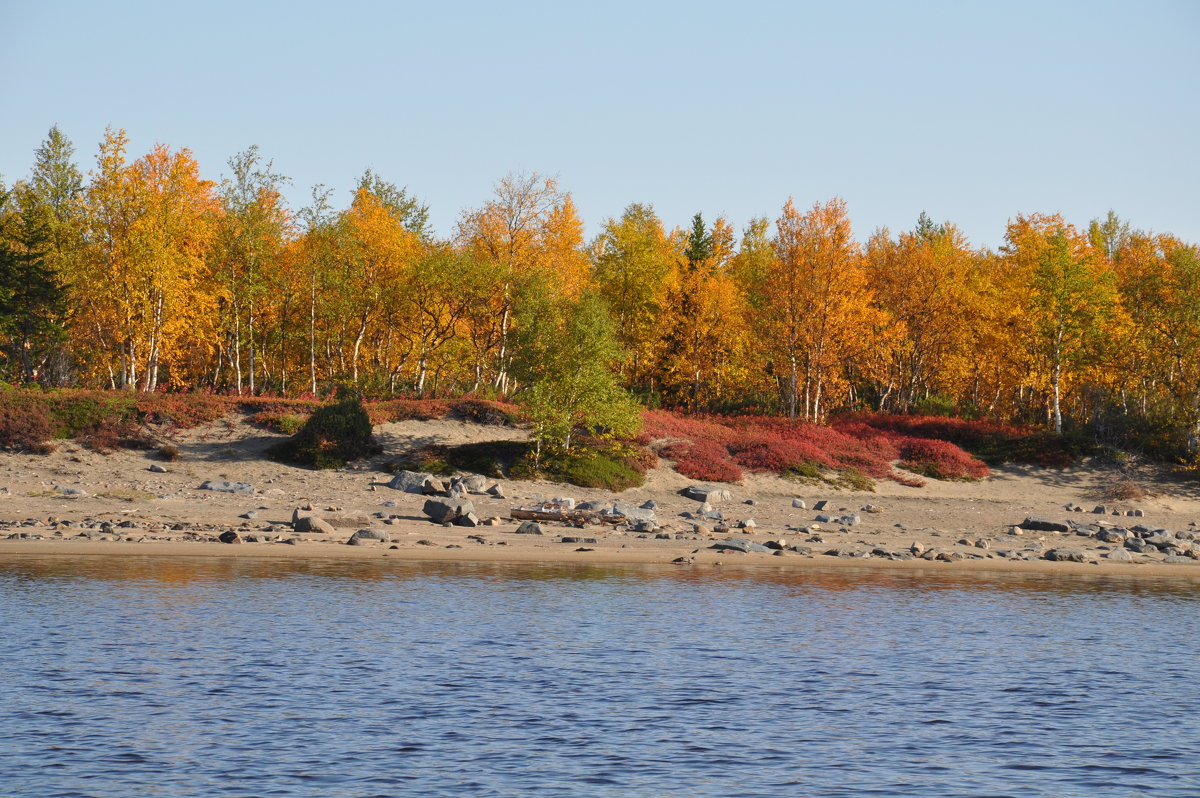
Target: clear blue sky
x,y
973,111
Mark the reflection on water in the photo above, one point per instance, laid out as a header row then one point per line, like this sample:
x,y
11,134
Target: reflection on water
x,y
132,676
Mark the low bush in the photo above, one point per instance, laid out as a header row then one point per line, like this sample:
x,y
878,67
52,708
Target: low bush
x,y
486,411
112,434
851,454
334,435
940,460
596,470
169,452
24,426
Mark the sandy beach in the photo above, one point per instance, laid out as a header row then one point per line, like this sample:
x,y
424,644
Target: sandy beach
x,y
78,502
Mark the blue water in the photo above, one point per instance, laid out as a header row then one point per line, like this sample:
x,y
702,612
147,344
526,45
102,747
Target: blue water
x,y
192,677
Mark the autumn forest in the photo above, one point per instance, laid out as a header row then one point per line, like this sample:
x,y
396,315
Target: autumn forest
x,y
143,275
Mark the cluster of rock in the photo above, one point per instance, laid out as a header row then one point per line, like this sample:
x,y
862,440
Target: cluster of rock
x,y
454,487
1123,542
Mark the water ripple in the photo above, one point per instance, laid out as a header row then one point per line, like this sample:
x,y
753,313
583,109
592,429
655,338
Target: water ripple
x,y
137,677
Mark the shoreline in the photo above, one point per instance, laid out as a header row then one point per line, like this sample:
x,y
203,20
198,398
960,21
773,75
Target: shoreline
x,y
537,555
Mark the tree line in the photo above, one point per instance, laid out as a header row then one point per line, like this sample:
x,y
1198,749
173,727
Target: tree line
x,y
143,275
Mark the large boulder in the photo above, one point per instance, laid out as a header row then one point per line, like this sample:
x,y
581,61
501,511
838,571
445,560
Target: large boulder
x,y
377,535
634,513
311,523
706,493
413,482
530,528
447,510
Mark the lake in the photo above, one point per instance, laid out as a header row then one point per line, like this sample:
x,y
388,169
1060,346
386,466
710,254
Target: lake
x,y
239,677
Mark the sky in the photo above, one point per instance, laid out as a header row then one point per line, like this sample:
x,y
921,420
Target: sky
x,y
971,111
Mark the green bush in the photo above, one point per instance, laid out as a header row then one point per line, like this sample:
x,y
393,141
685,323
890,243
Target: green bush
x,y
334,435
596,471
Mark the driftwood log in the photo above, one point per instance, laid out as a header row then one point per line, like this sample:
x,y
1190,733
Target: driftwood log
x,y
573,517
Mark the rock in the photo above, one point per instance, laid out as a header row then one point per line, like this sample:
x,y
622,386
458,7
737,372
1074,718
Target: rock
x,y
229,537
745,546
684,560
1066,555
158,469
224,486
1043,525
823,504
823,518
576,540
249,515
632,513
1138,545
311,523
916,548
750,502
982,544
706,493
370,534
649,504
496,491
1111,535
412,482
1118,555
1175,559
850,519
871,508
529,528
644,526
841,551
802,549
447,510
289,541
663,536
67,490
1136,513
799,504
356,541
748,525
472,483
566,502
468,519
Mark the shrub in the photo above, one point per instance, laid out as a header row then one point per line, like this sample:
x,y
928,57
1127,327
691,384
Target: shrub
x,y
485,411
24,426
169,452
332,436
114,433
407,410
940,460
182,410
596,470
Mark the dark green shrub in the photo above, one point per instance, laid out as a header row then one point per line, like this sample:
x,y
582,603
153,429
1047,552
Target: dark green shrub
x,y
334,435
596,471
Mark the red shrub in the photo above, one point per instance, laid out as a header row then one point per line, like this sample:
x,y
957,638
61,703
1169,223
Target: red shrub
x,y
182,410
407,410
24,425
940,460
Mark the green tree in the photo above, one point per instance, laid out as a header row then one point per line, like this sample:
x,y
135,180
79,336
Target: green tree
x,y
253,229
565,354
1070,300
44,237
